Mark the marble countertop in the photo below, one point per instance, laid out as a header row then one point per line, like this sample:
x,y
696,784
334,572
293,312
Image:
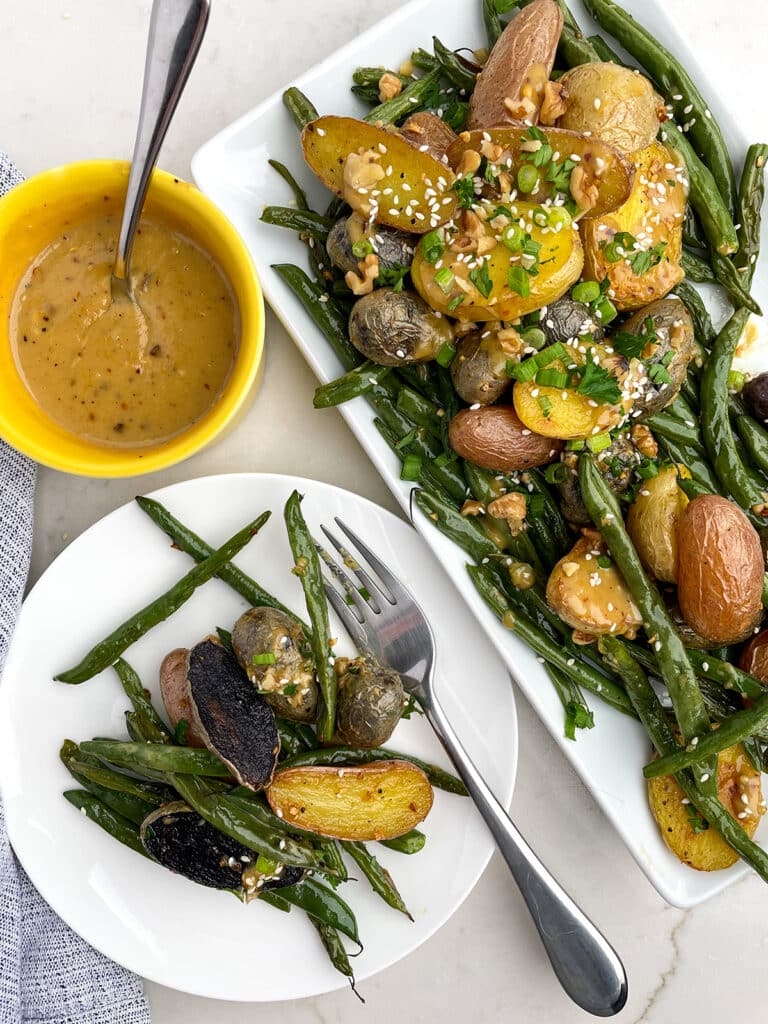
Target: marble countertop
x,y
69,81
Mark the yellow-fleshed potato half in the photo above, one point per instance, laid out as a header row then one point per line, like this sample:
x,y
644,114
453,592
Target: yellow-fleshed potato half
x,y
720,570
652,523
589,593
653,215
506,149
612,103
380,800
380,174
738,787
518,68
471,279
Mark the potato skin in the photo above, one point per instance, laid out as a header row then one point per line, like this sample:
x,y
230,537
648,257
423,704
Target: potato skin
x,y
495,438
707,850
754,657
674,330
720,570
653,520
530,38
478,370
627,112
393,328
370,700
174,687
425,129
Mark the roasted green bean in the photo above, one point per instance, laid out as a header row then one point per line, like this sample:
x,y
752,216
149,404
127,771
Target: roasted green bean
x,y
323,310
299,107
410,843
304,221
377,875
356,382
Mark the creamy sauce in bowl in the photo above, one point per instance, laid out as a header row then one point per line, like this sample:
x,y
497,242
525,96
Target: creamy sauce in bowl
x,y
112,374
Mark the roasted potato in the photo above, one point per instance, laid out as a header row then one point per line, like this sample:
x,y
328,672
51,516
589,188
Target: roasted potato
x,y
479,289
479,368
518,68
494,437
565,318
611,103
288,685
672,331
174,688
755,394
370,166
393,328
738,787
393,248
617,464
652,523
589,593
754,657
375,801
506,148
425,129
653,213
369,702
720,570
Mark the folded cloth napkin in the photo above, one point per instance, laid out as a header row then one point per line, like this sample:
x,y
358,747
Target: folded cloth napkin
x,y
48,974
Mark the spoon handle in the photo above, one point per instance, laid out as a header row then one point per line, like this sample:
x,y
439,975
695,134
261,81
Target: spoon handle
x,y
176,30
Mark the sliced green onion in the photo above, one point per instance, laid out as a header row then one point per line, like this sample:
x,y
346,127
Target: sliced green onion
x,y
599,442
432,246
604,561
533,337
443,460
513,237
267,658
444,279
551,354
585,291
527,178
552,379
558,215
265,865
736,380
455,302
411,467
605,311
647,470
518,281
524,371
446,354
574,446
556,473
362,248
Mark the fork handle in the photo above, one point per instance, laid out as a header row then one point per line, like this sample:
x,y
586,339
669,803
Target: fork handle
x,y
585,963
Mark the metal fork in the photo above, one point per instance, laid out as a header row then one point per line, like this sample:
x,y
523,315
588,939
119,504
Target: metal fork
x,y
383,618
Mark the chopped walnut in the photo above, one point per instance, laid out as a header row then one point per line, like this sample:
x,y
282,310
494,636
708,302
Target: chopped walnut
x,y
583,190
473,508
521,109
569,568
583,639
511,507
389,87
369,271
504,181
361,172
644,441
554,103
491,151
469,163
526,105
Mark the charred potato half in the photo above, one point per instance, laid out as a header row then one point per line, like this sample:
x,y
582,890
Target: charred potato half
x,y
174,688
393,248
720,570
393,328
669,324
617,465
738,787
479,369
369,701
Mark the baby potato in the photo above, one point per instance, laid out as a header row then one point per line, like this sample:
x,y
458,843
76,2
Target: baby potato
x,y
589,593
613,103
720,570
493,437
674,348
479,370
754,657
654,214
653,520
738,787
471,281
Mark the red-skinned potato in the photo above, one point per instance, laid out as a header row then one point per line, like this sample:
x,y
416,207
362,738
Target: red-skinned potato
x,y
754,657
518,67
426,129
495,438
174,687
720,570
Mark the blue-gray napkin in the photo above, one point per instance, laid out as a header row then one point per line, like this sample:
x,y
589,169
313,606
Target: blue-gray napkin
x,y
48,974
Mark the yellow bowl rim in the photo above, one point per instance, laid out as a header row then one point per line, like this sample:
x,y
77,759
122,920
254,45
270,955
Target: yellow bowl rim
x,y
108,462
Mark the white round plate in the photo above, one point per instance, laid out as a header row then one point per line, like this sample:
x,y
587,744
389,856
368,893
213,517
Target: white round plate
x,y
158,924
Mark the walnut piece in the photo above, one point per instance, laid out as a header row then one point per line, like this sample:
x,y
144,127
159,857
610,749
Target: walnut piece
x,y
644,441
389,87
362,171
369,271
511,507
469,163
583,189
553,105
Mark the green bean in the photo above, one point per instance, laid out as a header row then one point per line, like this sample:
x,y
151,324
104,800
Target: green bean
x,y
674,666
438,777
577,713
668,426
154,728
728,675
678,88
729,277
422,377
160,757
692,488
703,799
462,530
377,875
697,269
749,210
603,50
294,736
704,195
107,651
323,904
735,729
755,438
304,221
356,382
682,411
485,487
702,323
120,828
86,768
697,466
584,674
298,192
189,542
492,22
454,69
408,102
410,843
418,409
299,107
131,806
715,423
310,576
552,514
273,899
449,401
334,947
575,49
323,310
541,537
444,478
692,233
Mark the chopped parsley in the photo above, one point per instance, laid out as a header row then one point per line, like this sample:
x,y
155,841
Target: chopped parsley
x,y
545,405
290,689
624,246
577,716
695,820
455,303
465,190
659,374
518,281
411,708
598,384
481,279
394,277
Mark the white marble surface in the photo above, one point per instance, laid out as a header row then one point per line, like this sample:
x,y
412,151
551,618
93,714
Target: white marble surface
x,y
69,74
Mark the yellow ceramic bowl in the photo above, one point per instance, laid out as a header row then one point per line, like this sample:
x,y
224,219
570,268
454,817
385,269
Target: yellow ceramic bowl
x,y
36,212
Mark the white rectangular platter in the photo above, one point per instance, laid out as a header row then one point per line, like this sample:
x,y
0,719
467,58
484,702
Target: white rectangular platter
x,y
232,168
